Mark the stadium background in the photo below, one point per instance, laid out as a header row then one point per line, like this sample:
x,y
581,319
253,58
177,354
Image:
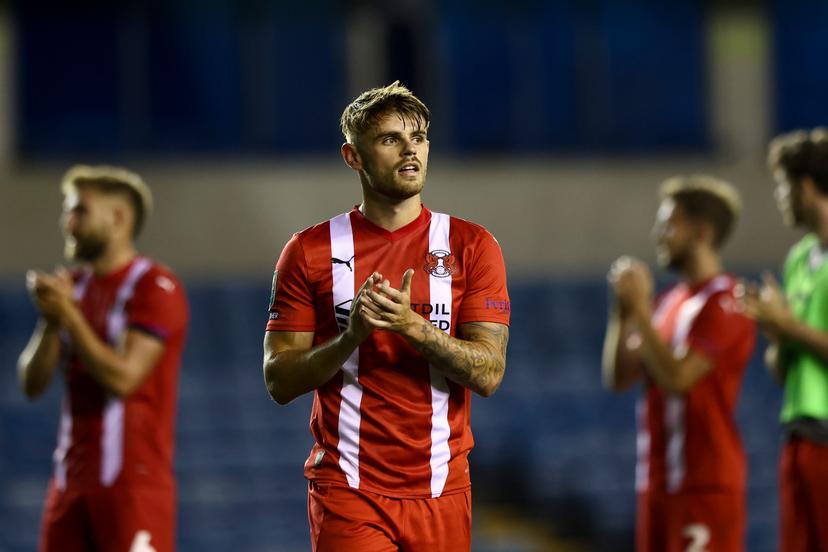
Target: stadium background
x,y
553,123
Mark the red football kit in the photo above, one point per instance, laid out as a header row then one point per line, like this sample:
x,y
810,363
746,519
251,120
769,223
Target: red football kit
x,y
691,471
388,424
113,486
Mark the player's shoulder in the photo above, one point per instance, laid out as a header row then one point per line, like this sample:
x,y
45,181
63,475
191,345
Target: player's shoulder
x,y
723,296
470,230
319,231
722,288
801,249
724,283
159,275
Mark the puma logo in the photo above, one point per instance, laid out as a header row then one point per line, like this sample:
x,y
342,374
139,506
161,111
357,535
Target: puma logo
x,y
347,263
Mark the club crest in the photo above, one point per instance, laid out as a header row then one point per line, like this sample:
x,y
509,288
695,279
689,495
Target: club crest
x,y
440,263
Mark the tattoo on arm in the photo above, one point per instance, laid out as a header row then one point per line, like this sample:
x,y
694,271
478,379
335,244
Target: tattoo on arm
x,y
476,360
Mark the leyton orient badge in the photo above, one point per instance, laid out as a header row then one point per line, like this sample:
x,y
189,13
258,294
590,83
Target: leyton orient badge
x,y
440,263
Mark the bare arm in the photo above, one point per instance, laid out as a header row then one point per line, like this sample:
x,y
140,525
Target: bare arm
x,y
672,373
813,339
477,359
768,306
38,361
293,367
121,370
621,361
632,284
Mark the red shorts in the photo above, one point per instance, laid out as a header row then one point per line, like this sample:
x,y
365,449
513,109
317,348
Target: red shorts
x,y
117,519
803,483
342,518
688,522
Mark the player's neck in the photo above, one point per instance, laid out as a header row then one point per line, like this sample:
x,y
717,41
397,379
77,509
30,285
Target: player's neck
x,y
113,259
703,265
821,226
391,215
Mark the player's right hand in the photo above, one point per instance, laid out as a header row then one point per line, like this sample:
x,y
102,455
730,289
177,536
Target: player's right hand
x,y
39,293
632,282
358,326
51,293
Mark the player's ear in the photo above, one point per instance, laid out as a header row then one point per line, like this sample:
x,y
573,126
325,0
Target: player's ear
x,y
351,156
807,186
706,232
122,216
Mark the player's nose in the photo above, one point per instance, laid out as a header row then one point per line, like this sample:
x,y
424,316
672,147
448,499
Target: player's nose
x,y
68,221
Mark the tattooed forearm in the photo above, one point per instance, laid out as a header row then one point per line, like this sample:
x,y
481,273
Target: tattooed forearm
x,y
476,360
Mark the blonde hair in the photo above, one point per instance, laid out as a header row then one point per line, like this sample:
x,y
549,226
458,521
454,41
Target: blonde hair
x,y
369,107
111,179
707,198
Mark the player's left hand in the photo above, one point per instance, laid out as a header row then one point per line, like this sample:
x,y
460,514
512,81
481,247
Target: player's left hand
x,y
632,282
52,293
767,305
388,308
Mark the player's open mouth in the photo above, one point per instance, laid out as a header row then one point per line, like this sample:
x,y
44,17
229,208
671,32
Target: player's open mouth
x,y
409,169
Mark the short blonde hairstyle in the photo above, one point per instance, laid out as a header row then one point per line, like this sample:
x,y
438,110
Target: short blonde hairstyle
x,y
111,179
369,107
707,198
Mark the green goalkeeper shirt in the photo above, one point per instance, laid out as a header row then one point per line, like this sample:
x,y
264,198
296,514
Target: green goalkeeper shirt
x,y
806,286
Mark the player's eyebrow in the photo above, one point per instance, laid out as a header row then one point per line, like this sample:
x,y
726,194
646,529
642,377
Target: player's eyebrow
x,y
398,134
392,134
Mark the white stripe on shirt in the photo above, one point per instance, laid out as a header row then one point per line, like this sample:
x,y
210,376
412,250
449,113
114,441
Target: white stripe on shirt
x,y
342,247
440,291
674,412
112,434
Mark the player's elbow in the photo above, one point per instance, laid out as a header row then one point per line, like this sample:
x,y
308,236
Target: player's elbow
x,y
127,379
617,376
487,387
31,390
30,386
487,390
609,377
615,384
276,388
123,387
278,394
680,378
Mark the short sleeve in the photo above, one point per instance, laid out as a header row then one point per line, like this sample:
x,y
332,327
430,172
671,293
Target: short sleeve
x,y
486,298
719,327
159,306
291,301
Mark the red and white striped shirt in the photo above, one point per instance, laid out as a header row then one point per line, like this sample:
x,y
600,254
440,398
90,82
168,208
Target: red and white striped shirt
x,y
690,442
104,439
388,422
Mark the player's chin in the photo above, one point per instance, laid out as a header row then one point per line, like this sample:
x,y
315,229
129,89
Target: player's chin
x,y
405,189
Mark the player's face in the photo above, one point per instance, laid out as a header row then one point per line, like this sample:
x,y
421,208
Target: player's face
x,y
394,157
673,235
86,224
788,198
